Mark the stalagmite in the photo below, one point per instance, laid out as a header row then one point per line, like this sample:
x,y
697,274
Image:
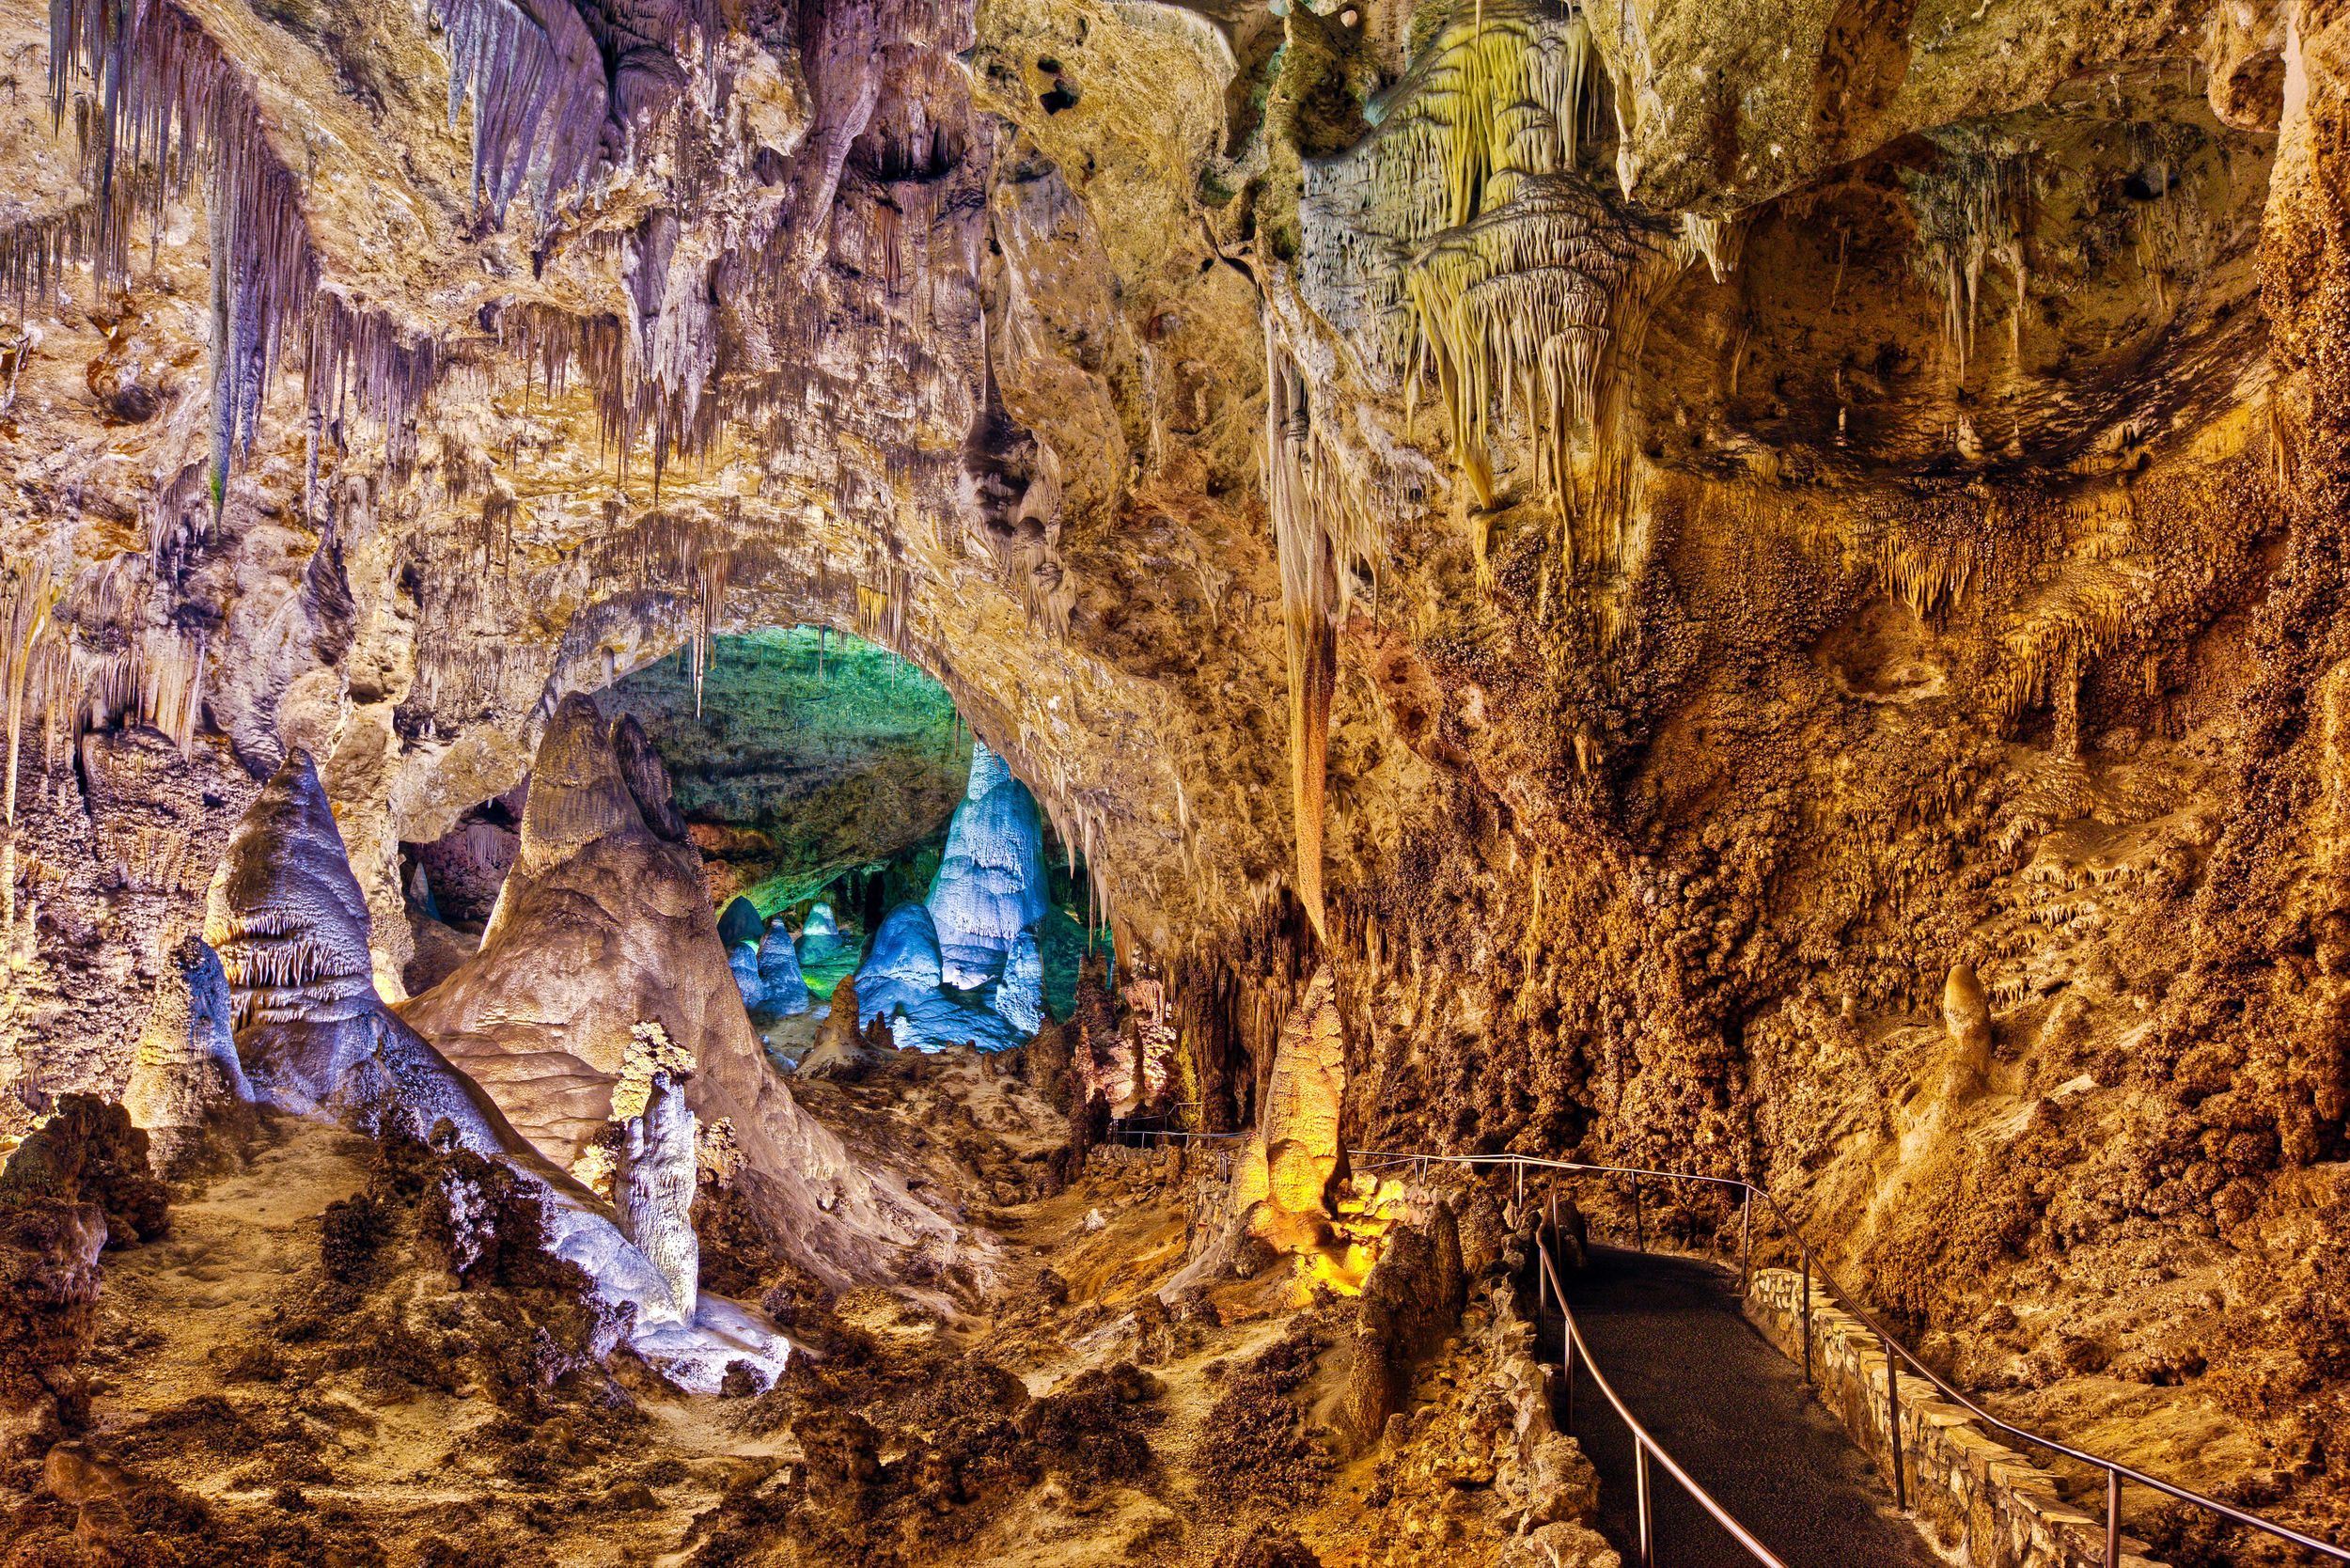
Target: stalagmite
x,y
1302,1150
820,934
186,1078
901,985
1020,995
602,927
990,886
743,958
840,1050
654,1191
291,927
1966,1018
783,989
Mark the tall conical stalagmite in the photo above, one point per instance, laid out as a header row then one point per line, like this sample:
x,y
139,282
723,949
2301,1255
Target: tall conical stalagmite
x,y
187,1080
605,927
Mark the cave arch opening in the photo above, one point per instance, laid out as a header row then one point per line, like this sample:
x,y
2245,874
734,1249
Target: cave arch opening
x,y
849,828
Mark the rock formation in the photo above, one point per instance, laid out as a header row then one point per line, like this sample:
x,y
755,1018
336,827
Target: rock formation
x,y
76,1186
654,1191
1020,990
1302,1154
820,936
602,926
1966,1018
841,1049
315,1039
742,960
738,922
1607,543
783,991
900,985
1411,1302
291,927
991,884
186,1082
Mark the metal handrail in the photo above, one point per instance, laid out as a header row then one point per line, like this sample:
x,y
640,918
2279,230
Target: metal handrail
x,y
1643,1446
2115,1470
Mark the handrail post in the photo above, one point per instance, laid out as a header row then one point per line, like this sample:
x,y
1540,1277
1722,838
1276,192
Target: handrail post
x,y
1520,1166
1568,1335
1745,1244
1807,1312
1893,1433
1648,1534
2114,1517
1639,1240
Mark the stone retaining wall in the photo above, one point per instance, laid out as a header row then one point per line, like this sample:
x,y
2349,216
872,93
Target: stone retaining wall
x,y
1979,1502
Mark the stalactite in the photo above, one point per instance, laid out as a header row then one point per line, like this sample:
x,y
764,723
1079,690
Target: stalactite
x,y
710,594
171,686
35,252
1530,308
2170,234
1308,596
1500,96
536,81
171,104
1715,241
30,602
1971,207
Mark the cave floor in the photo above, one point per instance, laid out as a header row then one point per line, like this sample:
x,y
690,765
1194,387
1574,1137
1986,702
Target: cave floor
x,y
384,1424
1731,1411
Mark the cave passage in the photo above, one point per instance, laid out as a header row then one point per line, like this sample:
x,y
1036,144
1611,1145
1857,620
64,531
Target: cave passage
x,y
603,604
1731,1410
849,824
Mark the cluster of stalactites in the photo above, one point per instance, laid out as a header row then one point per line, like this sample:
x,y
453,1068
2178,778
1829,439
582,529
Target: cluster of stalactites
x,y
1972,209
1495,269
687,555
1526,310
1503,93
536,80
35,252
165,103
57,682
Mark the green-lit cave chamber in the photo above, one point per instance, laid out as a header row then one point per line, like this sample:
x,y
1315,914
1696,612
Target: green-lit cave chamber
x,y
820,778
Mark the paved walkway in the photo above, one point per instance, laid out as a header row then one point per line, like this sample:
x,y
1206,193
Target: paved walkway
x,y
1732,1412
